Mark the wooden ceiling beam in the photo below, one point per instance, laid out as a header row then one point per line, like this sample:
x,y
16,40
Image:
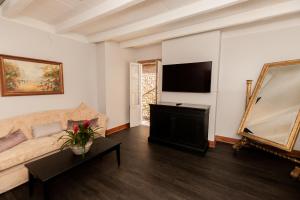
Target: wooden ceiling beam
x,y
12,8
106,8
196,8
276,10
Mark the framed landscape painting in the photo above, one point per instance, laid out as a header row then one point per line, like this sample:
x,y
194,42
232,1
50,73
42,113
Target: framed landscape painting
x,y
28,76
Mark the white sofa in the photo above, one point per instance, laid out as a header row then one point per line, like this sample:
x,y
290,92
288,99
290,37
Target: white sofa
x,y
12,170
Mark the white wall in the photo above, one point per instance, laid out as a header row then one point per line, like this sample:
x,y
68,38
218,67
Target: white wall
x,y
117,84
195,48
113,72
101,76
147,53
79,63
243,54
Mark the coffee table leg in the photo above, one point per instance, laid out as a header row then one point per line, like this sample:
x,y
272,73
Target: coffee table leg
x,y
37,189
31,184
41,190
45,191
118,155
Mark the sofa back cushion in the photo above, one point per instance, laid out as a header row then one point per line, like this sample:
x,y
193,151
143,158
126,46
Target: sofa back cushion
x,y
14,124
82,112
45,117
5,128
42,130
12,139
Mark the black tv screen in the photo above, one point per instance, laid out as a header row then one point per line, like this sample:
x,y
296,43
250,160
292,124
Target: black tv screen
x,y
187,77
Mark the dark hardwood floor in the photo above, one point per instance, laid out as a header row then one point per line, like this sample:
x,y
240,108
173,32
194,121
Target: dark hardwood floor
x,y
154,172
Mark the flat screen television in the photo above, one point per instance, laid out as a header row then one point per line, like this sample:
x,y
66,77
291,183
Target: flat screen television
x,y
187,77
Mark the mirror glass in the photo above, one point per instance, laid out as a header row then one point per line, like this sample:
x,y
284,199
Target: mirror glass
x,y
276,104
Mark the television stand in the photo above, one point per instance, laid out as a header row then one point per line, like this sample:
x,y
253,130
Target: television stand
x,y
182,126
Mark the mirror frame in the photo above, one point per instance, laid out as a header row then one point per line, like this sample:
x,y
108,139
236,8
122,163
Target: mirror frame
x,y
296,127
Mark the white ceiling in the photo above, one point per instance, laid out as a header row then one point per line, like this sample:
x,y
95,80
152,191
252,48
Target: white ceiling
x,y
143,10
142,22
54,11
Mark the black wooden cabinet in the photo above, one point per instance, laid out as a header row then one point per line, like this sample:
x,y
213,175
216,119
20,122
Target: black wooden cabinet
x,y
184,126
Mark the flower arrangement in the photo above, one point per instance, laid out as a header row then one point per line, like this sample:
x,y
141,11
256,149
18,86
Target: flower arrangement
x,y
80,138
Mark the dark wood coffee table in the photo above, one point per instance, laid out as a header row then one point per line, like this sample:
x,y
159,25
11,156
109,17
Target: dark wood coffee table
x,y
44,169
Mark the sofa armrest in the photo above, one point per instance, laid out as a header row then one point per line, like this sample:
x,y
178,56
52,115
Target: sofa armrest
x,y
102,122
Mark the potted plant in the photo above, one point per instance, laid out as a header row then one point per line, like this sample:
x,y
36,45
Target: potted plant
x,y
80,138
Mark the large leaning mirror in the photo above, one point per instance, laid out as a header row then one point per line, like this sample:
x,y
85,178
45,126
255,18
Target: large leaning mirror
x,y
272,115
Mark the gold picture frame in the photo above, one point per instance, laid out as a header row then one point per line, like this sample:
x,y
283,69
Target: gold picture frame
x,y
296,126
22,76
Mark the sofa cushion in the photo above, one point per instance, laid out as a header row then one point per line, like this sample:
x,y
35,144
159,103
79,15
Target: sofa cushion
x,y
42,130
29,150
5,128
46,117
100,132
12,139
82,112
13,124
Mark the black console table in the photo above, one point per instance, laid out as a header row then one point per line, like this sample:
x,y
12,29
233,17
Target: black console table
x,y
183,126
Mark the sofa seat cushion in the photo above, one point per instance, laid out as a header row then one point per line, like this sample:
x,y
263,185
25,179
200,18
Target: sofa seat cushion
x,y
29,150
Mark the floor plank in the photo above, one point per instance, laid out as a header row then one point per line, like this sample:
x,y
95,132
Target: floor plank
x,y
151,171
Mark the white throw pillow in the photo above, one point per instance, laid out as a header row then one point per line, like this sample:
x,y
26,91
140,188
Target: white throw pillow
x,y
42,130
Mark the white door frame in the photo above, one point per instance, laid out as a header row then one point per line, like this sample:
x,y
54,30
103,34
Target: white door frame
x,y
135,94
158,80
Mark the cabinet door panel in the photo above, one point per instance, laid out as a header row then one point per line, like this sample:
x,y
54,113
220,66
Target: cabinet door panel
x,y
160,124
190,129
